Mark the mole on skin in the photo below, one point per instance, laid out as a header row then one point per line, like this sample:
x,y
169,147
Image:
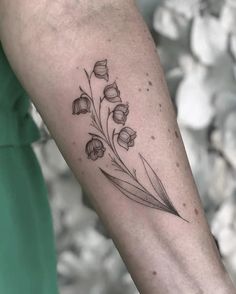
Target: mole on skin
x,y
154,273
196,211
176,134
177,164
153,138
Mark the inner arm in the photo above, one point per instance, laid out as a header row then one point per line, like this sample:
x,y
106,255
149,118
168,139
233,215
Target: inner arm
x,y
92,71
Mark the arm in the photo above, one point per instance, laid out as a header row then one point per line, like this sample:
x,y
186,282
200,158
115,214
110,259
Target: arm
x,y
138,178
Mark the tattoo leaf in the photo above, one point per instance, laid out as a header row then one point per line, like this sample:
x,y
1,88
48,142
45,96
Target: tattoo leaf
x,y
134,193
104,138
157,184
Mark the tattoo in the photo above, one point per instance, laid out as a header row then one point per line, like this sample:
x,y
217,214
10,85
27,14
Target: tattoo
x,y
108,139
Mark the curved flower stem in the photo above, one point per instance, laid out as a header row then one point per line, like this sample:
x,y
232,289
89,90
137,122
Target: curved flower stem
x,y
105,136
98,136
113,148
107,125
127,171
94,118
99,109
123,166
98,120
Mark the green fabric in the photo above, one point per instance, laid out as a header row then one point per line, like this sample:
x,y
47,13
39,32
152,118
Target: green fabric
x,y
16,125
27,254
27,257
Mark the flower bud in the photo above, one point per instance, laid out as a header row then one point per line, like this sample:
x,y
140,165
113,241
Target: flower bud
x,y
120,113
81,104
112,93
94,149
126,137
101,70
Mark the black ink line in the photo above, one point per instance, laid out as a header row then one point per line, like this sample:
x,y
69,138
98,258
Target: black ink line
x,y
124,137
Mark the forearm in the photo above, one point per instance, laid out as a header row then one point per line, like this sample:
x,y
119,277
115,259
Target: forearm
x,y
49,45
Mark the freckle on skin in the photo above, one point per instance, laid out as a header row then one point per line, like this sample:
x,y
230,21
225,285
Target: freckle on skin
x,y
168,130
140,90
184,204
73,143
154,273
160,105
177,164
147,74
176,134
150,83
147,90
153,138
196,211
80,159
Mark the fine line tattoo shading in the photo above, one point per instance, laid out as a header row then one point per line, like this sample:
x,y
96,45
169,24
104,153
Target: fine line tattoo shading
x,y
105,138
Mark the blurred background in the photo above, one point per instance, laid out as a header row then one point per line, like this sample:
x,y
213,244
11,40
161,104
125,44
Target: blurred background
x,y
196,41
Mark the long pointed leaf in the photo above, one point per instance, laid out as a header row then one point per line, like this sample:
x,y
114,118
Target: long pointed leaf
x,y
157,184
137,194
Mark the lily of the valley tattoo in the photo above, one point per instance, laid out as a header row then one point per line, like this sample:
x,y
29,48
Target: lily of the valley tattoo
x,y
107,139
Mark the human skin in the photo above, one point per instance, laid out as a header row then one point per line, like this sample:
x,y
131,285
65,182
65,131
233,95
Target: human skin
x,y
48,44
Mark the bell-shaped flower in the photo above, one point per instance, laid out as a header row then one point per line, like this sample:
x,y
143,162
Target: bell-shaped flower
x,y
101,70
120,113
94,149
126,137
112,93
81,104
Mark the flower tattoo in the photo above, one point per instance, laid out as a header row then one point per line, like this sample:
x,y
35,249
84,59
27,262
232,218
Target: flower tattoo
x,y
126,138
106,139
112,93
94,149
101,70
81,105
120,113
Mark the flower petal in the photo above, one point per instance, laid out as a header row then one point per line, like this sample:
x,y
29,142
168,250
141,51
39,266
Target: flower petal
x,y
100,70
100,153
106,77
114,99
93,156
122,143
131,143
